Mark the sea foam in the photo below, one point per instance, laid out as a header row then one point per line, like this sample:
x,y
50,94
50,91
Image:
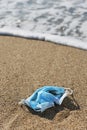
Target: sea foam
x,y
63,40
59,21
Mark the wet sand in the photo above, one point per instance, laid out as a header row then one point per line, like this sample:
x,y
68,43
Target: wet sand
x,y
26,65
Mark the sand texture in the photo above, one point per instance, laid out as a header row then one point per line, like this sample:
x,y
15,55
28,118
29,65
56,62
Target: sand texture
x,y
26,65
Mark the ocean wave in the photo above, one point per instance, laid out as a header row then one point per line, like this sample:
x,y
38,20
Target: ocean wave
x,y
58,19
69,41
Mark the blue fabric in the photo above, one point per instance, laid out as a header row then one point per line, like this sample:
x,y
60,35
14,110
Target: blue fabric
x,y
44,98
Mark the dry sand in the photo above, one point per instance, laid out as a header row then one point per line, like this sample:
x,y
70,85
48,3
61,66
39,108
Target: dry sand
x,y
26,65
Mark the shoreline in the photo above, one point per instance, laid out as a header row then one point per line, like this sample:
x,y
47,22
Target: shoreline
x,y
62,40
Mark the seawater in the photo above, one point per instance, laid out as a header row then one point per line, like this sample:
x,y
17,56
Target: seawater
x,y
67,18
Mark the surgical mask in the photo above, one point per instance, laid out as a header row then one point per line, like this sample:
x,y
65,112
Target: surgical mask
x,y
46,97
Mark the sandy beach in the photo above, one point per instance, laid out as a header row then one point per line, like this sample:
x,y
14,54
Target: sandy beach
x,y
26,65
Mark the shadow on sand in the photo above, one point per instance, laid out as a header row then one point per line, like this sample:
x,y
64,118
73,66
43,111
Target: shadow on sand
x,y
69,104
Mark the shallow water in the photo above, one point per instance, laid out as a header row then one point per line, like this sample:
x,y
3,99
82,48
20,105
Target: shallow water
x,y
57,17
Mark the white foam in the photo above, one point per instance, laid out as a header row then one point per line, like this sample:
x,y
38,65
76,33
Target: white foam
x,y
63,40
60,17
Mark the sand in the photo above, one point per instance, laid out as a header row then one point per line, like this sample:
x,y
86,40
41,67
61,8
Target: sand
x,y
26,65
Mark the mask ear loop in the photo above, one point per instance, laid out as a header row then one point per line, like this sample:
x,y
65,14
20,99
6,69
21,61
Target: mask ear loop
x,y
77,105
68,91
21,102
71,93
23,105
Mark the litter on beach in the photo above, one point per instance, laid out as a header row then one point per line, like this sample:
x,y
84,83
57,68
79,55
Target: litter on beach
x,y
46,97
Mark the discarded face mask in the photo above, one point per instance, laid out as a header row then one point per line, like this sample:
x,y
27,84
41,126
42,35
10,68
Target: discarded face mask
x,y
46,97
